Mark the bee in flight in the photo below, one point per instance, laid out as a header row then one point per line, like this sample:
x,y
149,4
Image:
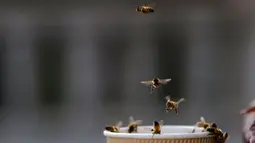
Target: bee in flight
x,y
220,136
146,8
132,127
155,83
171,105
115,128
157,127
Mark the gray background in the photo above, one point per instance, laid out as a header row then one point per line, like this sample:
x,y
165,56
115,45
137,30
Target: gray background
x,y
68,68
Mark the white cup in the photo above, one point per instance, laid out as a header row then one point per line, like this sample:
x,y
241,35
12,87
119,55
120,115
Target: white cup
x,y
169,134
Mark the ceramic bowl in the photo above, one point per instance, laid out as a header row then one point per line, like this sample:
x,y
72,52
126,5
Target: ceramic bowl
x,y
169,134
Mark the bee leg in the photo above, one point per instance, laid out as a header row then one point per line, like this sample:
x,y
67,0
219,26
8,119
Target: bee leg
x,y
176,111
194,130
151,89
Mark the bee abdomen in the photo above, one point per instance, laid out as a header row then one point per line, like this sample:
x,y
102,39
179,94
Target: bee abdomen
x,y
145,10
151,10
131,129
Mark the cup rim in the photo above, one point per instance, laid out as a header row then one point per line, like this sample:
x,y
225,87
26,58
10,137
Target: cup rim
x,y
163,135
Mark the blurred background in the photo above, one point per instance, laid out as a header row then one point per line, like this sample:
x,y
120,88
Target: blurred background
x,y
69,68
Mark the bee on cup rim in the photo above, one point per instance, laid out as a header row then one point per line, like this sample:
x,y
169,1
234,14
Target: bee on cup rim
x,y
133,125
203,124
115,128
157,127
221,136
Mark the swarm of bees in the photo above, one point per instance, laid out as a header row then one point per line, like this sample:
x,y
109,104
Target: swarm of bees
x,y
170,105
213,129
156,83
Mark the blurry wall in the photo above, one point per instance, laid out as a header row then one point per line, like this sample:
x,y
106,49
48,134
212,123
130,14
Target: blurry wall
x,y
68,68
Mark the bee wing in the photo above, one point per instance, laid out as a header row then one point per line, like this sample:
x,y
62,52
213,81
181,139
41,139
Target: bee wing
x,y
138,122
119,124
199,124
164,81
168,97
161,122
131,119
147,83
181,100
151,5
202,119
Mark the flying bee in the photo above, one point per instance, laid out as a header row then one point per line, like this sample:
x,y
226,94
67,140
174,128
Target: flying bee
x,y
132,127
115,128
157,127
220,136
146,8
155,83
171,105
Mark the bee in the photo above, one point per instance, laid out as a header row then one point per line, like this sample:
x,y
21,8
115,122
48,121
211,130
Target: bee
x,y
220,136
146,8
157,127
202,123
171,105
155,83
132,127
115,128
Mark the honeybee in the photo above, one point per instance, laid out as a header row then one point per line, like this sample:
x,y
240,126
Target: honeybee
x,y
146,8
171,105
202,123
157,127
132,127
115,128
155,83
220,136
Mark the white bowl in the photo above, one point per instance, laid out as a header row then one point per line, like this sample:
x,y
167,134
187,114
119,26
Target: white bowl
x,y
169,134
